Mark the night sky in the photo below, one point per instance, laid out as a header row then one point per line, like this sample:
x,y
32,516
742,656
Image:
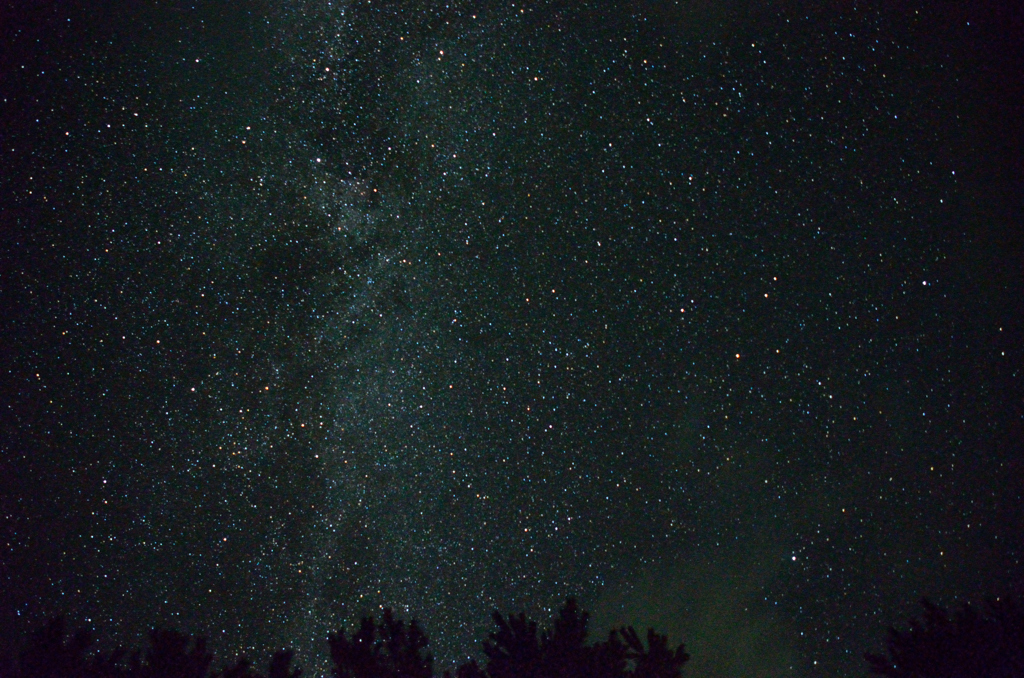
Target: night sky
x,y
706,313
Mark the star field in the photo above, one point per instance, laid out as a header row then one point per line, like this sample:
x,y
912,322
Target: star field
x,y
708,316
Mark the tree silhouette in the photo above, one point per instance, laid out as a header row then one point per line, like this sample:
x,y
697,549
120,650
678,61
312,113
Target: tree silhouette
x,y
514,650
49,654
241,669
281,665
657,660
977,643
564,649
175,655
986,644
390,649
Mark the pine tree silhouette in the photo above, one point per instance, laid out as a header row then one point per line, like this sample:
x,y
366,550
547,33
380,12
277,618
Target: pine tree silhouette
x,y
564,649
389,649
49,654
514,651
281,665
989,644
175,655
657,660
241,669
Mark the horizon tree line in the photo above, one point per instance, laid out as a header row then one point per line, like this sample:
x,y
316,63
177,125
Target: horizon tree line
x,y
985,642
